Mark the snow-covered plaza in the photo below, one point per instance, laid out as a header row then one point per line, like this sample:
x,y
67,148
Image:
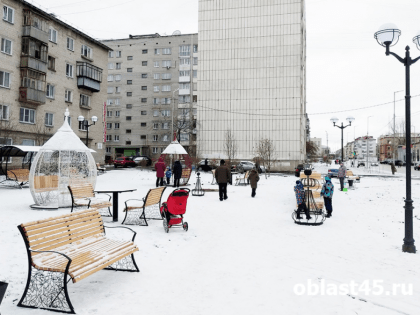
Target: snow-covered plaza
x,y
243,255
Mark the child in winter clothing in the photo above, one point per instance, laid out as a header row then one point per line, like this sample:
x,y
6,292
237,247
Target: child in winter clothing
x,y
168,174
300,199
253,179
327,192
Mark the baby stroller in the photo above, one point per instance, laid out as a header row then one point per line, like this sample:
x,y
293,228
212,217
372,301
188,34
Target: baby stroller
x,y
174,208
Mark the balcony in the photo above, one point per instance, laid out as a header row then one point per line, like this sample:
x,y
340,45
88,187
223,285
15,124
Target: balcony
x,y
31,96
184,92
32,63
88,76
184,79
36,33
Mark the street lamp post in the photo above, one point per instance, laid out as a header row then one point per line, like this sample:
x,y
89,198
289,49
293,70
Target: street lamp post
x,y
388,36
367,143
334,120
85,122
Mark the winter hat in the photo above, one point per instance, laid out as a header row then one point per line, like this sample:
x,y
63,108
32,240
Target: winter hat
x,y
327,179
222,162
299,185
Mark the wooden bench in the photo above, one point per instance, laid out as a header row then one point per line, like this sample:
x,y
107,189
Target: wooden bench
x,y
242,180
82,195
185,177
19,176
45,183
351,176
100,169
70,246
152,199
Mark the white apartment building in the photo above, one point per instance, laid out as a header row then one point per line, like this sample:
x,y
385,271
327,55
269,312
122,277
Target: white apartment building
x,y
252,78
364,146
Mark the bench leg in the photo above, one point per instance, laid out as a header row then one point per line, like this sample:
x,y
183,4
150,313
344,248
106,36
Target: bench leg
x,y
46,290
126,264
132,218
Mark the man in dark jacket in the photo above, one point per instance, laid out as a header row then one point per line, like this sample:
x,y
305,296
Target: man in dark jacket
x,y
222,176
177,173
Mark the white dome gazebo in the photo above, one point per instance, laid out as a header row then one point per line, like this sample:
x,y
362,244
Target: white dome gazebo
x,y
64,159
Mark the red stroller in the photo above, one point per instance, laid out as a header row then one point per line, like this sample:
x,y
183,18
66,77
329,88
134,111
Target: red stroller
x,y
174,208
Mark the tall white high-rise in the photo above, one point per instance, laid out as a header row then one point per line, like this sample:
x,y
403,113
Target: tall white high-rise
x,y
252,78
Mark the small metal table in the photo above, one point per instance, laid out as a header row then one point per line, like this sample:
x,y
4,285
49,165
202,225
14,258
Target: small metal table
x,y
114,200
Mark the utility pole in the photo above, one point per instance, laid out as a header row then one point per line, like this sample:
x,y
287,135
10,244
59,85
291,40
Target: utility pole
x,y
367,140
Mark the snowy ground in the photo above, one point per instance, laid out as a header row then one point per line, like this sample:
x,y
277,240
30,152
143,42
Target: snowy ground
x,y
243,255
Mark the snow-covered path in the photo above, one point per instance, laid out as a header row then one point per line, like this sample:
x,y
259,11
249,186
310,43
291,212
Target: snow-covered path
x,y
240,256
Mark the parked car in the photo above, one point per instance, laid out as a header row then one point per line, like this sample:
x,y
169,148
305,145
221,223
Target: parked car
x,y
399,163
302,167
244,166
124,162
374,164
138,160
332,172
417,166
361,164
201,166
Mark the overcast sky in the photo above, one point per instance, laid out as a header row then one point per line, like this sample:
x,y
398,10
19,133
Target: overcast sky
x,y
346,68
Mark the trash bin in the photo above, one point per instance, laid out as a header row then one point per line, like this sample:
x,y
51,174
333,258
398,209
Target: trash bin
x,y
350,183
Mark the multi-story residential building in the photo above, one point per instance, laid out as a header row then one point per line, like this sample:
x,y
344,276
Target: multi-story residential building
x,y
152,79
364,146
349,150
252,79
47,66
388,145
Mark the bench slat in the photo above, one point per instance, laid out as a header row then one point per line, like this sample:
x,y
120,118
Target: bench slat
x,y
68,217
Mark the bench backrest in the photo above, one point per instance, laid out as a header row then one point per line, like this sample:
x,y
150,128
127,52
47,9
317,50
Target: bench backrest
x,y
349,173
46,182
154,196
20,174
81,190
48,234
186,172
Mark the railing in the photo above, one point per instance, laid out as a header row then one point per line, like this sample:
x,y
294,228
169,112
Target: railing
x,y
30,62
32,96
35,33
88,76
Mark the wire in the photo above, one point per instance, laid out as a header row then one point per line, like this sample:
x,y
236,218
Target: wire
x,y
112,6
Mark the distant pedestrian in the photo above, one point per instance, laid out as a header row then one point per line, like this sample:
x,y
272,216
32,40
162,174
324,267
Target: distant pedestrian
x,y
300,199
223,176
327,192
393,169
206,165
168,174
341,175
177,173
352,163
253,179
160,172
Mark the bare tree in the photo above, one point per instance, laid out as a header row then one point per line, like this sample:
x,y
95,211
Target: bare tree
x,y
7,126
40,132
266,154
230,146
311,149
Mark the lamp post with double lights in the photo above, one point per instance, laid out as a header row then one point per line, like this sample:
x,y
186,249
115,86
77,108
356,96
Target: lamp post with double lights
x,y
85,124
387,36
334,120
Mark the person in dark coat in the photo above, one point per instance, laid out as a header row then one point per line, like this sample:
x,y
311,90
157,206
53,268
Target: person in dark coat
x,y
300,199
160,172
253,179
177,173
327,192
393,169
341,175
223,176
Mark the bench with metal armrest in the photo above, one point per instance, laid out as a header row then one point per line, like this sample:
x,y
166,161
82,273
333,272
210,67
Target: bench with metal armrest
x,y
82,195
242,180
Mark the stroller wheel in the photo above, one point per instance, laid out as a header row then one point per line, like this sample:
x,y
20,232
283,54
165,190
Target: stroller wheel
x,y
165,225
185,226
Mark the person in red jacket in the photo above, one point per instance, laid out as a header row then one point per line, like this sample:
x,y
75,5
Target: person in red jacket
x,y
160,172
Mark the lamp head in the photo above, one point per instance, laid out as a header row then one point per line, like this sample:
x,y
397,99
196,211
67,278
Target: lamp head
x,y
94,119
334,120
80,118
350,119
388,35
416,40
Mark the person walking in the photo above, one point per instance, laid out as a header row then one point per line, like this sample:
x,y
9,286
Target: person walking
x,y
168,174
393,168
341,175
160,172
223,176
300,199
177,173
327,192
253,179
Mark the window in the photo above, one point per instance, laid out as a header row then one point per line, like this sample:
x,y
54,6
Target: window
x,y
110,89
4,79
117,125
144,75
155,101
69,70
156,64
52,35
156,88
155,138
8,14
143,112
110,78
184,137
144,63
70,44
166,100
156,76
110,65
84,100
166,76
68,96
110,54
166,51
86,51
195,61
185,111
116,138
157,51
184,61
194,73
128,131
129,82
118,54
185,73
166,63
154,150
108,125
117,101
194,111
129,106
155,113
4,112
129,93
117,113
109,101
144,87
27,115
166,88
118,77
117,89
129,69
129,57
143,137
128,142
184,50
184,86
127,117
143,124
118,65
6,46
165,125
156,126
108,138
166,113
49,118
144,51
144,100
195,48
50,90
165,138
51,63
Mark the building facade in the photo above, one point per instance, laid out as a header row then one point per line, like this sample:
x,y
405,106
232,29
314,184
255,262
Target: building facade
x,y
252,79
365,148
47,66
152,79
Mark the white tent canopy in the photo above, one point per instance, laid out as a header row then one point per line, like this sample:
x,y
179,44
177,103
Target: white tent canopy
x,y
174,148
